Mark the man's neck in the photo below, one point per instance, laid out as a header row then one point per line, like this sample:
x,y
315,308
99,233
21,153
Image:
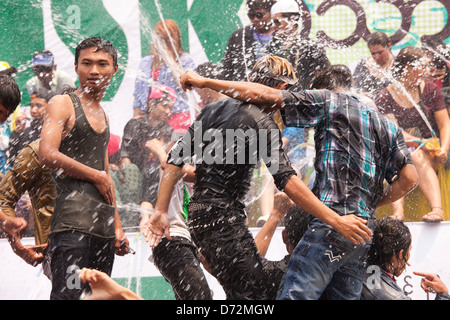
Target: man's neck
x,y
91,97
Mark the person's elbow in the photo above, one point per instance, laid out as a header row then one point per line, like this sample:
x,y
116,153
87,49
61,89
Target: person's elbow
x,y
46,156
409,177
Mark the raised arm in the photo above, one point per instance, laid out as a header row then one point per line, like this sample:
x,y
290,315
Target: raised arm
x,y
255,93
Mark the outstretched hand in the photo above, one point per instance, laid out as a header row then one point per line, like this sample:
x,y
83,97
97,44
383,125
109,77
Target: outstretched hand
x,y
103,287
157,226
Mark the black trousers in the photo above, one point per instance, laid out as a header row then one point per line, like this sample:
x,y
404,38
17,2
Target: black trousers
x,y
69,251
178,262
223,238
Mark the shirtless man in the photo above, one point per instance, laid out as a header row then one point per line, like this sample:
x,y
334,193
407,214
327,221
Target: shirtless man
x,y
85,229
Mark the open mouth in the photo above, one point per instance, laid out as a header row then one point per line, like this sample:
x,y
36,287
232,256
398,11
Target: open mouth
x,y
94,80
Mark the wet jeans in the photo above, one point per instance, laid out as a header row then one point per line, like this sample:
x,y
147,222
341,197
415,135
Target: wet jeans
x,y
230,251
324,265
70,251
179,264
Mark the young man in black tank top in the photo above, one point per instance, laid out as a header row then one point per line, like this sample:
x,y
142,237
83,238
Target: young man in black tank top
x,y
85,229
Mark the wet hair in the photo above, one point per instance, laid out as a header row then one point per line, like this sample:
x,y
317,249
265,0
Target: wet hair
x,y
333,77
260,4
209,70
100,44
390,236
296,223
273,71
406,57
435,49
174,34
9,93
43,93
378,38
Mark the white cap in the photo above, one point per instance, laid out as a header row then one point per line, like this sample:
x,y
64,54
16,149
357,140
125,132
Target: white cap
x,y
285,6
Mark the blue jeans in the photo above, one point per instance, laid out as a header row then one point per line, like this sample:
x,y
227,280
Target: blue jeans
x,y
324,265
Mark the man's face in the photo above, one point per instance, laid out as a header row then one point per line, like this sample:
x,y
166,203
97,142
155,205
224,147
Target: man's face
x,y
95,69
38,107
380,54
283,26
44,74
161,110
260,19
4,113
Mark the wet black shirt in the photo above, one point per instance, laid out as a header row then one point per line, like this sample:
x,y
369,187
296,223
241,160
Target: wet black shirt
x,y
227,141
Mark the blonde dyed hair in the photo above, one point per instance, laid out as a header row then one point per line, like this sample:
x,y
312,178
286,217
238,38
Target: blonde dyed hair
x,y
273,71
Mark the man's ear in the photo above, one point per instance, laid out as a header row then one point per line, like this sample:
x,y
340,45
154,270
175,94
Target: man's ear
x,y
282,86
116,68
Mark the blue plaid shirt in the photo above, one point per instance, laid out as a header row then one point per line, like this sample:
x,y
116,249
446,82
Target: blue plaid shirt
x,y
357,148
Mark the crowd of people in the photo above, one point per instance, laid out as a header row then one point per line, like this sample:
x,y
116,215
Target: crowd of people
x,y
77,188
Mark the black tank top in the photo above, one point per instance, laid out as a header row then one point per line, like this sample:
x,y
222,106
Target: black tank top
x,y
79,205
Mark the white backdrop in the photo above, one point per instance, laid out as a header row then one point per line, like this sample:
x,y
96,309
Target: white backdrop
x,y
430,253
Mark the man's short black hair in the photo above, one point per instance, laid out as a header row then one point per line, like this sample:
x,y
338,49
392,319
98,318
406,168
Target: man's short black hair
x,y
333,77
260,4
101,44
9,93
296,223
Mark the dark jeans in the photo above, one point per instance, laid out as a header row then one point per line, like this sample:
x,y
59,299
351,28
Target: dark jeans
x,y
70,251
324,265
179,264
230,251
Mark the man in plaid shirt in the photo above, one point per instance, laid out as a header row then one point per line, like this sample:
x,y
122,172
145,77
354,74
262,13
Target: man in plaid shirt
x,y
357,148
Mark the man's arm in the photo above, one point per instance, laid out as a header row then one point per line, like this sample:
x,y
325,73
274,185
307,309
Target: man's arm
x,y
255,93
281,206
350,226
159,223
59,112
407,180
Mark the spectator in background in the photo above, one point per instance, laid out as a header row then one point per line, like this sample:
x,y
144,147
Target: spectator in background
x,y
162,66
305,55
372,74
405,101
38,106
246,45
145,139
127,185
47,75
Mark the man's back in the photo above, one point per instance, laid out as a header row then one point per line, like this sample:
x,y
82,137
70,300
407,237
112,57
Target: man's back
x,y
234,136
356,149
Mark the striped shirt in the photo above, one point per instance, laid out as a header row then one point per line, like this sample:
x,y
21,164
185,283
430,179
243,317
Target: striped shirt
x,y
357,148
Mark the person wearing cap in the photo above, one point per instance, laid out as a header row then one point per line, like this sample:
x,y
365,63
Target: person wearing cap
x,y
246,45
305,55
18,139
47,75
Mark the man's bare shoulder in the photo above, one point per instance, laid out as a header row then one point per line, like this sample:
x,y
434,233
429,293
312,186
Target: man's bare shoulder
x,y
61,105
